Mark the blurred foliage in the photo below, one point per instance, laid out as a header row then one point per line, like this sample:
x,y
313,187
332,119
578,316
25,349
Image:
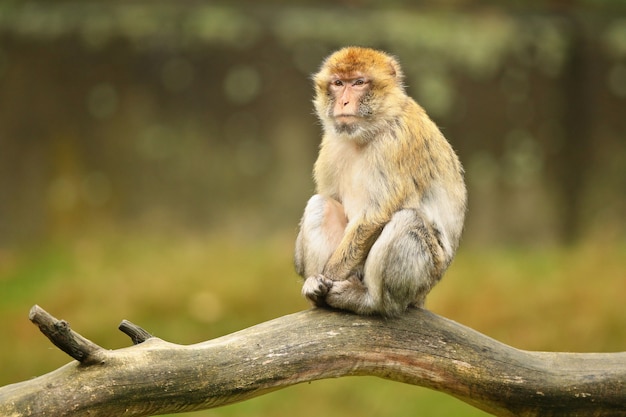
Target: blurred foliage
x,y
155,158
198,115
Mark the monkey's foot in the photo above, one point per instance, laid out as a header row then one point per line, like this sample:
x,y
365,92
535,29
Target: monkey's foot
x,y
315,289
352,295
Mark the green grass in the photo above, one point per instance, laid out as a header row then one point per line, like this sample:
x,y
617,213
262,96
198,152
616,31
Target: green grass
x,y
186,290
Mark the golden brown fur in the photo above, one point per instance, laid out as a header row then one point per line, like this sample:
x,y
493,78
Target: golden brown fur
x,y
387,217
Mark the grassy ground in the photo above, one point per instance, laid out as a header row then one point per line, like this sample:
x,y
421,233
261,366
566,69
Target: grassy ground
x,y
187,290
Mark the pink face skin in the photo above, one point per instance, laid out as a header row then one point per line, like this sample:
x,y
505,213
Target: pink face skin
x,y
348,91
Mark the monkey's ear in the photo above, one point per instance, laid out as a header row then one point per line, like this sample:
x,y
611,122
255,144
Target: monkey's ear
x,y
395,70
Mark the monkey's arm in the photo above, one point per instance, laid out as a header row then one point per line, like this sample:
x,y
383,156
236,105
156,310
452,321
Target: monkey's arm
x,y
353,249
362,231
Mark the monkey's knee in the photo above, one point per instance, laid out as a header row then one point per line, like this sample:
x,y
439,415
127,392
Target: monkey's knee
x,y
399,269
321,229
326,214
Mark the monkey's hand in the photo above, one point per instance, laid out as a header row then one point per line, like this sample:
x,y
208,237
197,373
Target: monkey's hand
x,y
315,289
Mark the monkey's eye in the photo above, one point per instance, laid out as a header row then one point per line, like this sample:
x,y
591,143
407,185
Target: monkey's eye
x,y
337,83
360,81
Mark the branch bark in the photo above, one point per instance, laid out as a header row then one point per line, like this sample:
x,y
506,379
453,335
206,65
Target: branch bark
x,y
420,348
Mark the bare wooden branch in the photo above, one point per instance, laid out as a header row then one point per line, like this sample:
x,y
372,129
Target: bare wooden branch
x,y
420,348
136,333
60,334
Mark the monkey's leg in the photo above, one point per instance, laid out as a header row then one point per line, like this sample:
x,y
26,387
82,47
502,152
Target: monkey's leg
x,y
321,230
401,268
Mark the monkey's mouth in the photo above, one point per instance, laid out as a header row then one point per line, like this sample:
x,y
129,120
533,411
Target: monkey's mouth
x,y
344,118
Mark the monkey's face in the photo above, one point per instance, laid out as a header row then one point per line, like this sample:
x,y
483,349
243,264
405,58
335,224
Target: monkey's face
x,y
349,104
358,92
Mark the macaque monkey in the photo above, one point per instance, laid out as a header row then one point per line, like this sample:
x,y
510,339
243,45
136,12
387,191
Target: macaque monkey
x,y
390,198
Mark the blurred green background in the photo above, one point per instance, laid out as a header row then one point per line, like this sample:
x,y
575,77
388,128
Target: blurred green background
x,y
155,158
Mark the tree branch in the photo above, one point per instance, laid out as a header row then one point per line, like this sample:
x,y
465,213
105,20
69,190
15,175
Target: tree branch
x,y
60,334
420,348
136,333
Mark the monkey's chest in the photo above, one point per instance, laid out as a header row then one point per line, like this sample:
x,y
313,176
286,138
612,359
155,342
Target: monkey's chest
x,y
355,189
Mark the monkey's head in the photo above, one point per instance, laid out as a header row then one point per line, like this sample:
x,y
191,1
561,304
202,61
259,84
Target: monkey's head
x,y
358,91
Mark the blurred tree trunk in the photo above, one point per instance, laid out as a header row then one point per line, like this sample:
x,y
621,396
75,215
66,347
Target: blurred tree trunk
x,y
572,161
